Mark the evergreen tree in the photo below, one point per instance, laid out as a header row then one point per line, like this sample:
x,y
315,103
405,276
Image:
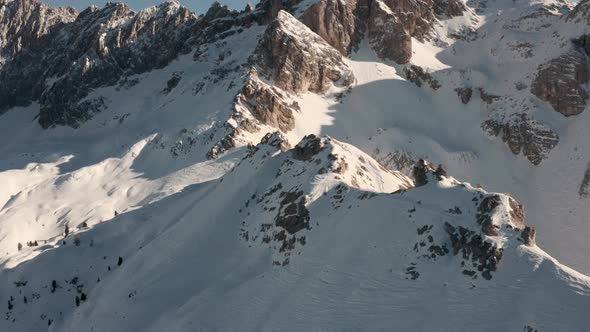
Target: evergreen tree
x,y
120,261
19,246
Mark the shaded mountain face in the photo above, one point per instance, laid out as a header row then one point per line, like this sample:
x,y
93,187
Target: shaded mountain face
x,y
299,164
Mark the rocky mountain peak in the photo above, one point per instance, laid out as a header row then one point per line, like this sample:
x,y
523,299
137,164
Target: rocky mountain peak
x,y
297,59
24,22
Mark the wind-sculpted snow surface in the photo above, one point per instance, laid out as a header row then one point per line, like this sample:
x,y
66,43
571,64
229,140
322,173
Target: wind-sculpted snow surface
x,y
291,166
364,250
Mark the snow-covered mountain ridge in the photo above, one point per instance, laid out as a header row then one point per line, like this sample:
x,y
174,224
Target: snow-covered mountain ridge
x,y
206,164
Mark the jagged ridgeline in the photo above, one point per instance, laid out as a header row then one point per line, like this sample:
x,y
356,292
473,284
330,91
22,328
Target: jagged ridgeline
x,y
295,165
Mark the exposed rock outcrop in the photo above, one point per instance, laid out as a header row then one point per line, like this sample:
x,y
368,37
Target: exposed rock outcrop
x,y
528,236
297,59
268,104
391,23
293,216
562,82
101,47
517,215
388,35
584,190
524,135
277,140
583,42
472,246
441,172
486,97
449,8
580,13
340,23
25,22
420,172
418,75
309,146
464,94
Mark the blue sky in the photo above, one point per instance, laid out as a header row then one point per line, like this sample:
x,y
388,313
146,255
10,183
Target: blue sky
x,y
200,6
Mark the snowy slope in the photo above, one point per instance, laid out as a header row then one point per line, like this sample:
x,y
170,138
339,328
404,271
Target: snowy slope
x,y
365,260
319,225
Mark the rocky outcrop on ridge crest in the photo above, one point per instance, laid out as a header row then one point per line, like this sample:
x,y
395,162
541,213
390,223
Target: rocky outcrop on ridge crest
x,y
562,82
297,59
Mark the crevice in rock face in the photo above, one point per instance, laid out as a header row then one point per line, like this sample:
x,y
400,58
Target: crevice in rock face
x,y
523,135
